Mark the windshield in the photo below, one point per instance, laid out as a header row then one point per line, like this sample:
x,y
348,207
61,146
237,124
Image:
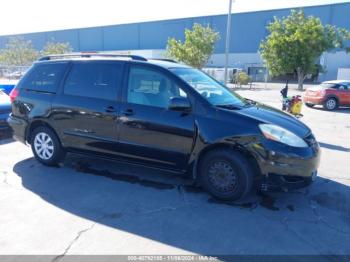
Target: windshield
x,y
215,93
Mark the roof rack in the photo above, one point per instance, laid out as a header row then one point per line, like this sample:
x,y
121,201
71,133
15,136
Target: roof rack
x,y
89,55
164,59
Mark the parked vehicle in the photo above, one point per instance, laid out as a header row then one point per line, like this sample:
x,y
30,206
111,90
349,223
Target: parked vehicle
x,y
160,114
7,88
5,110
330,94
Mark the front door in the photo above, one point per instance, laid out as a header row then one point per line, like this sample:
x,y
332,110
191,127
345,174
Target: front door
x,y
148,130
85,113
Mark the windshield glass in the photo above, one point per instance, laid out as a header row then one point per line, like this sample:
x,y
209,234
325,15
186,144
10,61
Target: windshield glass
x,y
212,91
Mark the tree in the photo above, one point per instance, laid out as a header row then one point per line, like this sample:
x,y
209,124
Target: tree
x,y
197,48
18,51
296,43
52,48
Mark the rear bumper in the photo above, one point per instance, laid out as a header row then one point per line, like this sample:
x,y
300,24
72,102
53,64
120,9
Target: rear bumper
x,y
314,100
19,127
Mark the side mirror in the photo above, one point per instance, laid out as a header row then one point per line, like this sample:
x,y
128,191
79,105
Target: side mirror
x,y
179,104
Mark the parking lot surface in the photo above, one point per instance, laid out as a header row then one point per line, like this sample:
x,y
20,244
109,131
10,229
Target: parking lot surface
x,y
89,206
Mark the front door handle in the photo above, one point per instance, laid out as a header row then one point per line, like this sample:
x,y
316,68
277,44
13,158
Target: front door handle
x,y
128,112
110,109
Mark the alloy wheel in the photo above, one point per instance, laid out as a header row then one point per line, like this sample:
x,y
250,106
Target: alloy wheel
x,y
331,104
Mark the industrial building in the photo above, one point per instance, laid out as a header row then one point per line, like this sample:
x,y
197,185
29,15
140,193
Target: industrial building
x,y
247,30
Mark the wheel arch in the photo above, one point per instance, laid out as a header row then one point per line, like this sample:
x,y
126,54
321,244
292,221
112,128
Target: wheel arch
x,y
332,96
248,155
35,124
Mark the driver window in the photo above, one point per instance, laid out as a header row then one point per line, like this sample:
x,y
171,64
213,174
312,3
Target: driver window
x,y
151,88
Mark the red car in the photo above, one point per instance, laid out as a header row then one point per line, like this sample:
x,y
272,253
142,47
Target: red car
x,y
330,94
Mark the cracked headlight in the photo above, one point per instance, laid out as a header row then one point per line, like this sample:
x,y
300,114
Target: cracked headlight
x,y
279,134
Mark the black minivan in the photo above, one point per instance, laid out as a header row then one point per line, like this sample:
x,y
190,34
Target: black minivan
x,y
162,114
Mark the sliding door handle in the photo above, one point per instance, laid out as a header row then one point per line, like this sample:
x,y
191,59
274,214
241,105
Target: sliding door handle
x,y
109,109
128,112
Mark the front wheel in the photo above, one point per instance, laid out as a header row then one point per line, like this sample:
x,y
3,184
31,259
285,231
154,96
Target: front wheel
x,y
46,146
226,174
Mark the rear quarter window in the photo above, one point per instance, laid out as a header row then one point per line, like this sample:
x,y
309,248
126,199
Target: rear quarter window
x,y
343,86
44,77
94,79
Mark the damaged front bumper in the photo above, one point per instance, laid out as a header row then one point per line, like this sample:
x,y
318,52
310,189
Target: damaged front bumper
x,y
274,182
285,168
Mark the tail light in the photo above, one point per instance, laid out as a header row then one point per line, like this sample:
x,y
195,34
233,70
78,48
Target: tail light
x,y
13,94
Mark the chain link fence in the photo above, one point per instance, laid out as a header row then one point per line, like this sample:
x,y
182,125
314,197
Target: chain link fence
x,y
9,76
12,72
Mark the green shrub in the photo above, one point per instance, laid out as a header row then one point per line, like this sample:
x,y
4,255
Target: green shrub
x,y
241,78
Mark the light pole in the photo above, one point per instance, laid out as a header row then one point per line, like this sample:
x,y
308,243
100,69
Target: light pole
x,y
228,37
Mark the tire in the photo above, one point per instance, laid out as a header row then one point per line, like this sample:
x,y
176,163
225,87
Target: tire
x,y
226,174
309,105
46,147
331,104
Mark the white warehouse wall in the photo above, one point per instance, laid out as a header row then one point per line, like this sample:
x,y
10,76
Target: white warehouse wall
x,y
331,61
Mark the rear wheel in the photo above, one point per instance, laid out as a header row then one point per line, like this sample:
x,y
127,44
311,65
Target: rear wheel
x,y
46,146
331,103
226,174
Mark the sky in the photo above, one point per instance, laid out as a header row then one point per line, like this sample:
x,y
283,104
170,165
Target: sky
x,y
24,16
